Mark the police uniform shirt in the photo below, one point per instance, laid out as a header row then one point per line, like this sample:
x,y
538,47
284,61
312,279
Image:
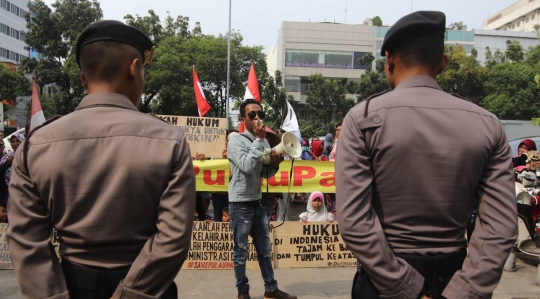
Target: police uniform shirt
x,y
119,188
406,178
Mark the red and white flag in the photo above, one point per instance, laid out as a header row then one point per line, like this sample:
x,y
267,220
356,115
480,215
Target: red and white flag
x,y
202,104
36,115
252,88
252,91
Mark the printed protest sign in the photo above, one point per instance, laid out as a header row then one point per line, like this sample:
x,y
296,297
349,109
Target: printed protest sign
x,y
204,134
212,247
308,176
5,256
312,244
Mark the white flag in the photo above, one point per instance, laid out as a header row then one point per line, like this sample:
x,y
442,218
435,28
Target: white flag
x,y
290,122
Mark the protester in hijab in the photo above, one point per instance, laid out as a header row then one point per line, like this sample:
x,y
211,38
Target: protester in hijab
x,y
316,209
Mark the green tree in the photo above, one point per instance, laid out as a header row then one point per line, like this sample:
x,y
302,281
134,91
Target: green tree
x,y
514,51
52,34
377,21
172,72
509,95
326,102
274,96
371,82
464,75
158,31
14,84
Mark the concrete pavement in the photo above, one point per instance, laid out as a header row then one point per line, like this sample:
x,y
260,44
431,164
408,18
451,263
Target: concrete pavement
x,y
304,282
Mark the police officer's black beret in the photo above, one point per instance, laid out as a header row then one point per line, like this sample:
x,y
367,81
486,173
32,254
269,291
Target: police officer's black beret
x,y
115,31
416,24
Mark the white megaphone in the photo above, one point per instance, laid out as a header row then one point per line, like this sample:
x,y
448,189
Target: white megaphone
x,y
289,146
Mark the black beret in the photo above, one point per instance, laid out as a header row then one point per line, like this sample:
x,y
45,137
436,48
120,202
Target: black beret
x,y
416,24
115,31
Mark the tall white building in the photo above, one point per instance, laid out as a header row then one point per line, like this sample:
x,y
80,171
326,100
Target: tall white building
x,y
520,16
12,25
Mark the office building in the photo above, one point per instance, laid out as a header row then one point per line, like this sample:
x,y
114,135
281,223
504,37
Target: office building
x,y
13,15
330,49
520,16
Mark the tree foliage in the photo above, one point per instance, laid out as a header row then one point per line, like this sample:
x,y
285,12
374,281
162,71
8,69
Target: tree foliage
x,y
464,75
371,82
14,84
377,21
52,34
171,73
509,95
326,102
274,96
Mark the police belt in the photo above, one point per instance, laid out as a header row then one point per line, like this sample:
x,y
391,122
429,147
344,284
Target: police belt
x,y
437,270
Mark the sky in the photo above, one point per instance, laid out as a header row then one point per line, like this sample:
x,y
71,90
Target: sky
x,y
259,21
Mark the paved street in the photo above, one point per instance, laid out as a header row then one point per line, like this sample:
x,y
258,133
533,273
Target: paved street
x,y
304,282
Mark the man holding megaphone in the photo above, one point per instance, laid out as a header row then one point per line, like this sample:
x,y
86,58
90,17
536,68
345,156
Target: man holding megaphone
x,y
246,153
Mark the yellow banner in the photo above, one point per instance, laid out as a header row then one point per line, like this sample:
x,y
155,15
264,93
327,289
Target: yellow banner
x,y
308,176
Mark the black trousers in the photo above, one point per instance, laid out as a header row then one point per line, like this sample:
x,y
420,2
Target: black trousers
x,y
86,282
437,271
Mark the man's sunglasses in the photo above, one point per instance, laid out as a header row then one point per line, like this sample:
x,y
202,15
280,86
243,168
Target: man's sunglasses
x,y
1,144
252,114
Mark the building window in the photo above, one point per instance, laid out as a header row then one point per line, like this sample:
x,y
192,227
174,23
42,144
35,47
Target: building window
x,y
338,60
532,18
513,26
22,37
304,58
5,29
3,53
292,83
519,23
6,5
357,65
15,34
527,20
23,14
15,9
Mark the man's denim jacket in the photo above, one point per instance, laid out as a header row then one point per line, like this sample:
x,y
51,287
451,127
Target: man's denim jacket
x,y
246,161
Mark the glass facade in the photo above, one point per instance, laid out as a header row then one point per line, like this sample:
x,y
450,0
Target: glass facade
x,y
323,59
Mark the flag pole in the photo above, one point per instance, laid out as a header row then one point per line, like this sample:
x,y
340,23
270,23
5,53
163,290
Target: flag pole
x,y
228,66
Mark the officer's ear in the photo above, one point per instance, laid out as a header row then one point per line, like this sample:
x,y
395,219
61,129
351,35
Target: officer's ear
x,y
444,64
390,63
134,67
84,81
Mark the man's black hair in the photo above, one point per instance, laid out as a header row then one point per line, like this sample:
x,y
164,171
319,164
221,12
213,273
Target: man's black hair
x,y
226,209
423,50
103,61
245,103
339,123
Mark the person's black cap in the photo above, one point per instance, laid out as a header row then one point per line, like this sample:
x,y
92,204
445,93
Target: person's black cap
x,y
416,24
115,31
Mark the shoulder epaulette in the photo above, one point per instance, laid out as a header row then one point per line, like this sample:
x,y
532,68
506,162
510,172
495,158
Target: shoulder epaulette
x,y
27,142
458,96
370,98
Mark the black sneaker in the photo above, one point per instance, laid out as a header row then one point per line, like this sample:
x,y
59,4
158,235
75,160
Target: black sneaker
x,y
243,294
278,294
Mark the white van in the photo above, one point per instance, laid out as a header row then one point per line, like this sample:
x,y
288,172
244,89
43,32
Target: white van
x,y
7,142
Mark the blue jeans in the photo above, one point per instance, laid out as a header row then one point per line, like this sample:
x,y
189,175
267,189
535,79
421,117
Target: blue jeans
x,y
249,219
